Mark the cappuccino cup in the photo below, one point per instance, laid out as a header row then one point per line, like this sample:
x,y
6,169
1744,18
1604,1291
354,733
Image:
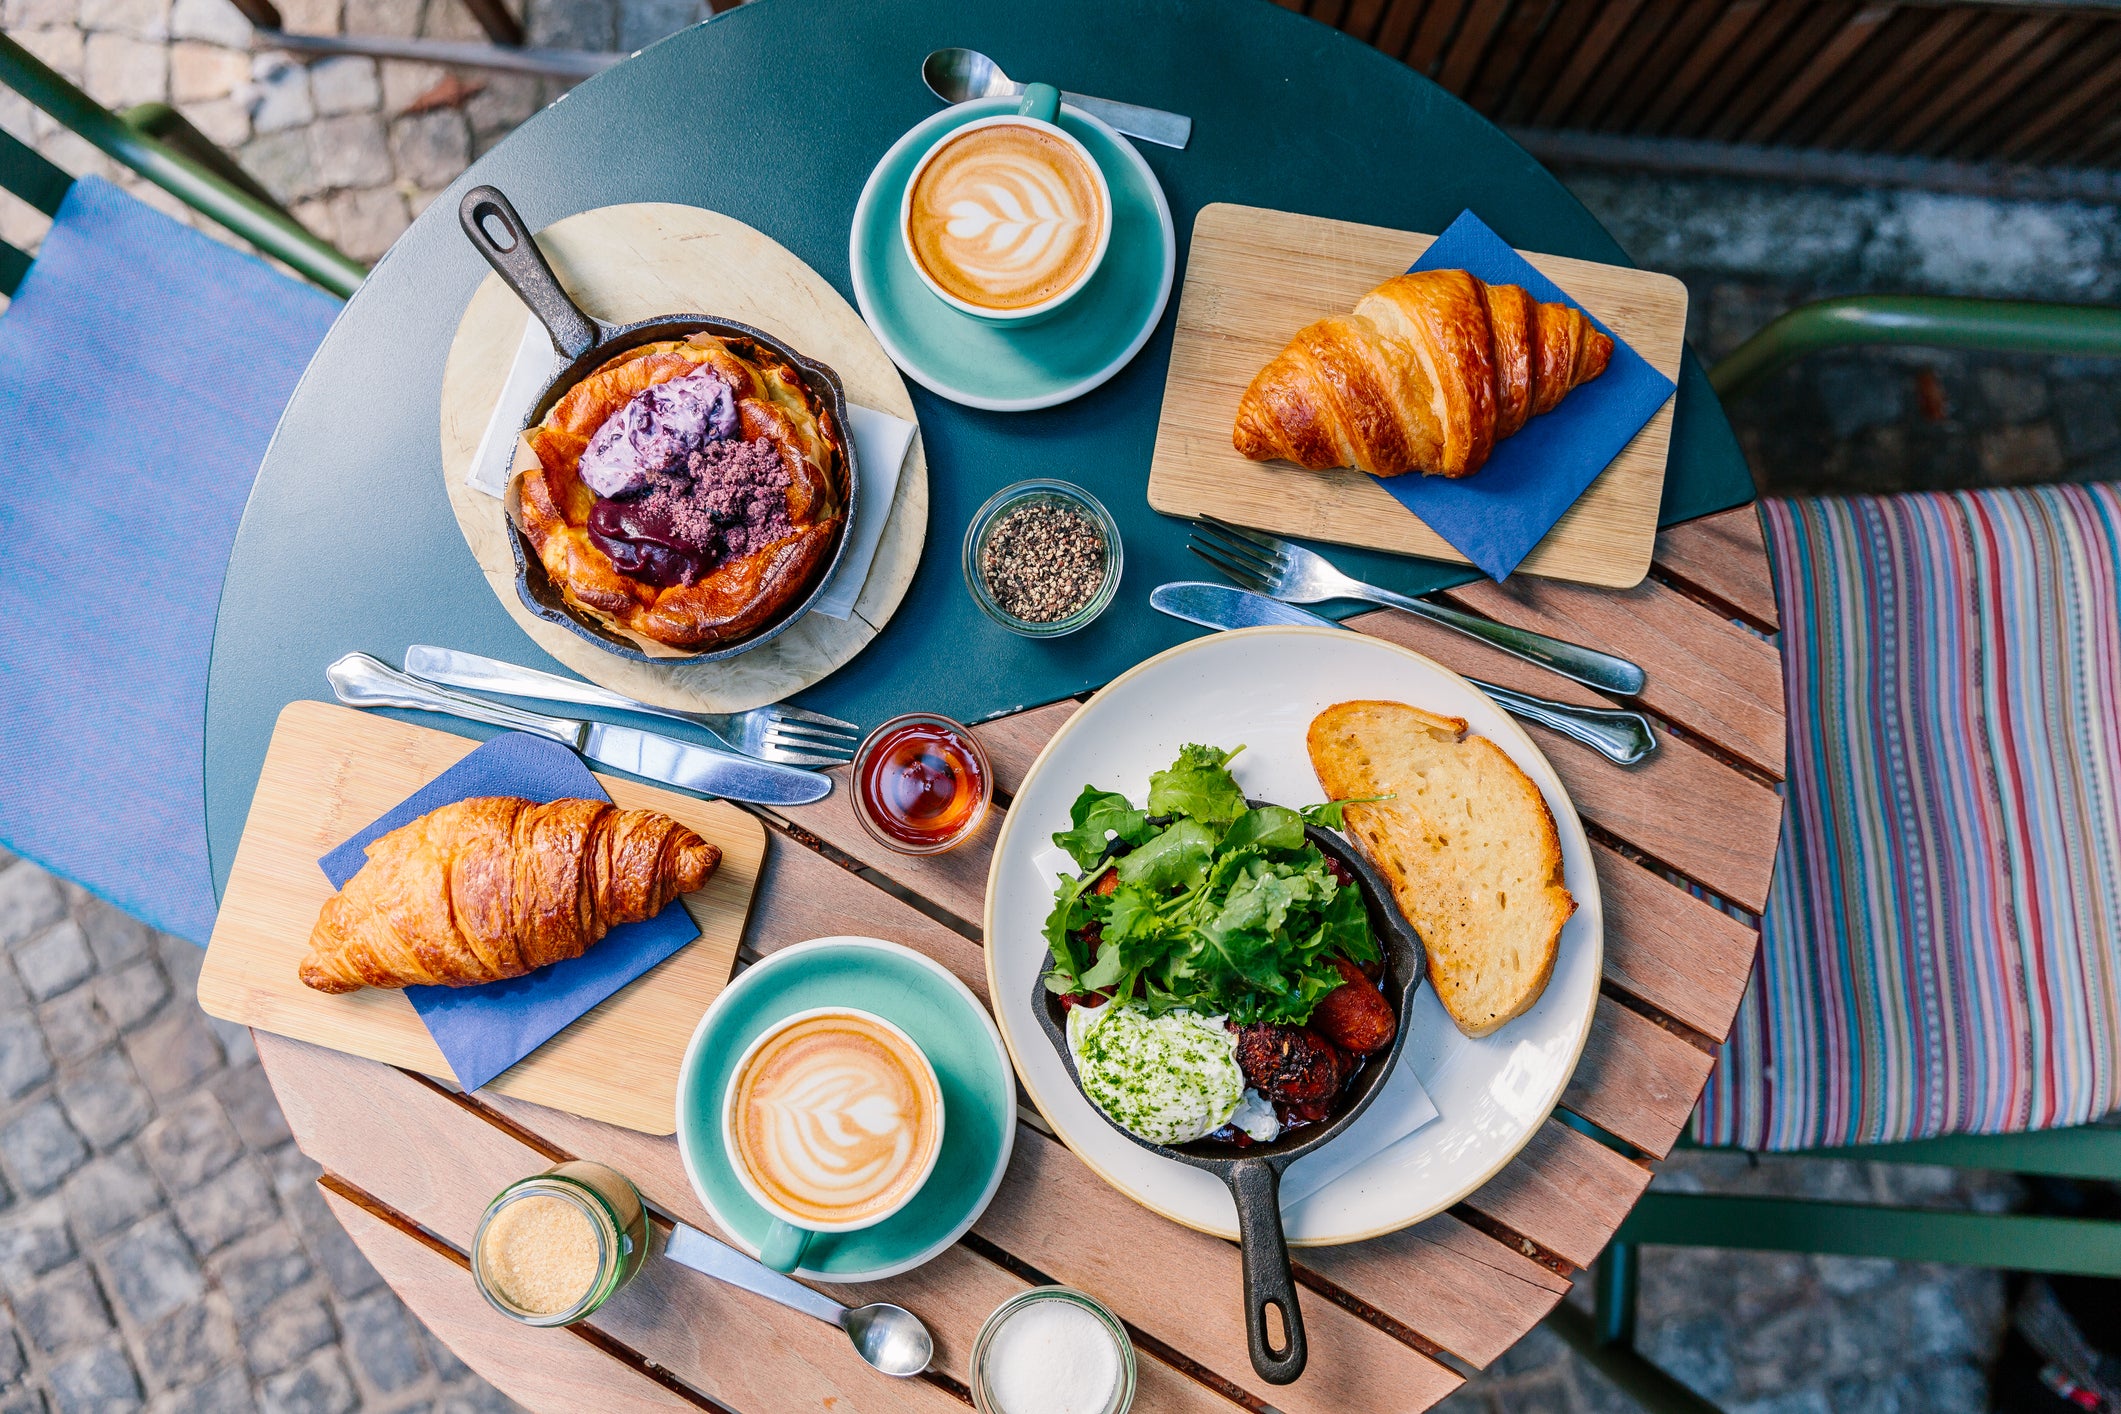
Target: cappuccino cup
x,y
832,1121
1007,218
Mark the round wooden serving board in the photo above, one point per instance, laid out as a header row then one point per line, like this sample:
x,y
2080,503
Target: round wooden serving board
x,y
632,262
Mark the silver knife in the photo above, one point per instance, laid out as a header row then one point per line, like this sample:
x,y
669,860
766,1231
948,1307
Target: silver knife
x,y
362,681
1615,734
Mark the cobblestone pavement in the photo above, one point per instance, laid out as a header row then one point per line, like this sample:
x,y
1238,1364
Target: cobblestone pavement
x,y
162,1244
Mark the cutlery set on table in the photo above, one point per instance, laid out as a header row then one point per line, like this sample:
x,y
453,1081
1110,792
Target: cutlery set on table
x,y
772,744
703,512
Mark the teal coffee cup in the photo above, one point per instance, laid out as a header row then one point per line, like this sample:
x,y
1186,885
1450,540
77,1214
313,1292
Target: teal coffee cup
x,y
832,1121
1007,218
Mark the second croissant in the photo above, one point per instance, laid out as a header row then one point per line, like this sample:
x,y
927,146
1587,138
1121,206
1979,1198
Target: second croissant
x,y
495,887
1428,373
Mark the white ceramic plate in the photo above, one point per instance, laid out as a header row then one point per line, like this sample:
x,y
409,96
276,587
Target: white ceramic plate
x,y
1260,688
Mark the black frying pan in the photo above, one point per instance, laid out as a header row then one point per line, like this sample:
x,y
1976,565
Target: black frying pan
x,y
498,234
1254,1174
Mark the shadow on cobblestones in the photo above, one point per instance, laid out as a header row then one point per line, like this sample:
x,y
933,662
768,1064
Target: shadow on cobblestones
x,y
162,1243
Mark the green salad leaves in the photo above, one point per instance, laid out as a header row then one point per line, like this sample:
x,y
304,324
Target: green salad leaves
x,y
1216,906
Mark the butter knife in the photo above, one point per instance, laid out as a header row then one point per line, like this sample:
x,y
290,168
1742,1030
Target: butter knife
x,y
1620,736
361,681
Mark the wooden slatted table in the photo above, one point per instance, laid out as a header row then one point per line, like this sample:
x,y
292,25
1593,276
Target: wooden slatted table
x,y
409,1165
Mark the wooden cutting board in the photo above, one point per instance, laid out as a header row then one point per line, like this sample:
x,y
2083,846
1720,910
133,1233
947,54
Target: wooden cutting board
x,y
1254,277
329,772
638,261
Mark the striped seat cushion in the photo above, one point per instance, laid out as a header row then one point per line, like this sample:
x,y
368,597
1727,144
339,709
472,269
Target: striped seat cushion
x,y
1942,947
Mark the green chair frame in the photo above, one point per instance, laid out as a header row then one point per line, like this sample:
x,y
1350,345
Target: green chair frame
x,y
2010,1241
155,141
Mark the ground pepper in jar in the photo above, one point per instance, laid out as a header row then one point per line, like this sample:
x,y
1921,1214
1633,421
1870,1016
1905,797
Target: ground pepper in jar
x,y
1043,562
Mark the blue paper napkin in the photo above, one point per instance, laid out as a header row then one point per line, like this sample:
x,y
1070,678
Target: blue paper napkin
x,y
484,1030
1495,516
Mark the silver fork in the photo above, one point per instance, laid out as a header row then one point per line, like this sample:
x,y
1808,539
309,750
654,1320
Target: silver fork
x,y
1267,564
789,735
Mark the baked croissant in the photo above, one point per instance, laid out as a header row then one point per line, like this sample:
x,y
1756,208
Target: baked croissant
x,y
1428,374
494,887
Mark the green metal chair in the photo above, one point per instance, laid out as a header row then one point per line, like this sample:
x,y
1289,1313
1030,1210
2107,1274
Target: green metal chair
x,y
143,367
2010,1241
156,142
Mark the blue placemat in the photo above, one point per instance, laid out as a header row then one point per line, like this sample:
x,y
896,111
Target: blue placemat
x,y
484,1030
1495,516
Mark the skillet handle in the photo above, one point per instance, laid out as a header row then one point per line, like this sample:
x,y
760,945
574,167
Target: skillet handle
x,y
500,235
1255,1184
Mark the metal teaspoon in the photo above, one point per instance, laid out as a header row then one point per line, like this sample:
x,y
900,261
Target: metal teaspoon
x,y
891,1338
960,75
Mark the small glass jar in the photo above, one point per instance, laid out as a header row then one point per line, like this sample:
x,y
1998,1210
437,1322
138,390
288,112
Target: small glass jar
x,y
618,1225
915,757
983,1347
1015,498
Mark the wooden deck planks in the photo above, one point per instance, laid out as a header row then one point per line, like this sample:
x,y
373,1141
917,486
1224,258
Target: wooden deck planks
x,y
1468,1287
1184,1287
1636,1079
417,1151
802,896
953,1293
1469,1284
1723,558
1670,950
956,880
1853,74
1566,1192
529,1366
1705,673
1682,807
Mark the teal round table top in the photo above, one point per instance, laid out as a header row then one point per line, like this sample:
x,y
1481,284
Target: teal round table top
x,y
775,113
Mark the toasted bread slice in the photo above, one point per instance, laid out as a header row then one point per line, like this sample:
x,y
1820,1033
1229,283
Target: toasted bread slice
x,y
1466,842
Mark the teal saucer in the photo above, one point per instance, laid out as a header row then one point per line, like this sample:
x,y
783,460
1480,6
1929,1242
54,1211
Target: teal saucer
x,y
1014,370
944,1019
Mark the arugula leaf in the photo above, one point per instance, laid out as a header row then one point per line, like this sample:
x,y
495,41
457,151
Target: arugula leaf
x,y
1131,913
1095,815
1347,926
1072,911
1177,858
1198,784
1105,972
1261,903
1268,827
1333,814
1227,910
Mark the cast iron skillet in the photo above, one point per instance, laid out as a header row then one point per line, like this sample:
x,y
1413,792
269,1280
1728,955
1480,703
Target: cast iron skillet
x,y
499,234
1254,1174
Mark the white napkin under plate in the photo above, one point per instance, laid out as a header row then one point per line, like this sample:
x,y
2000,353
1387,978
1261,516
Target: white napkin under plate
x,y
880,445
1399,1108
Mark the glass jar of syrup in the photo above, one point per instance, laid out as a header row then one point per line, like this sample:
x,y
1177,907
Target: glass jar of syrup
x,y
921,784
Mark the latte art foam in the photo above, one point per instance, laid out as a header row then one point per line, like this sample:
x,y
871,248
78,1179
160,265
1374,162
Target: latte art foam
x,y
834,1120
1005,217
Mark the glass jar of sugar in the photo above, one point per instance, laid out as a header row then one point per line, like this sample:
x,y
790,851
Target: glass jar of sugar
x,y
1052,1350
554,1247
